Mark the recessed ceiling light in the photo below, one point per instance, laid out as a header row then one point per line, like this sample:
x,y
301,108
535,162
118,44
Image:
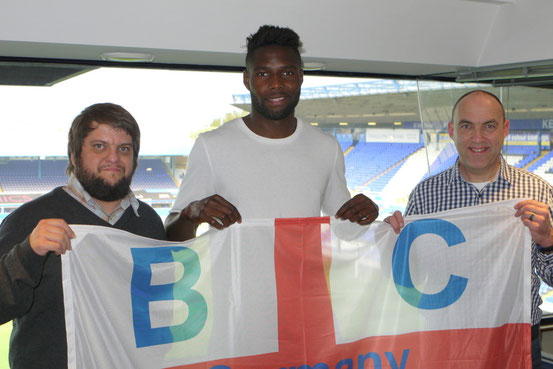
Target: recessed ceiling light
x,y
128,57
314,66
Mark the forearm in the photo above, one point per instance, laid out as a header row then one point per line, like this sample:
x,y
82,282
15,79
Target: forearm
x,y
20,273
179,228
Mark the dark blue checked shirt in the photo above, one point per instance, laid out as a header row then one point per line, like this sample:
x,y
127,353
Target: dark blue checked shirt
x,y
448,190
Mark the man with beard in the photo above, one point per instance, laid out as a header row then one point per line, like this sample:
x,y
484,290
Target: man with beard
x,y
103,149
268,164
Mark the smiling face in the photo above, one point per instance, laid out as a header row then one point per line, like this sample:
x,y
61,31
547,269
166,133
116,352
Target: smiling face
x,y
106,163
274,77
478,130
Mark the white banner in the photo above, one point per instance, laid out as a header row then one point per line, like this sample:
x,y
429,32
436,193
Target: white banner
x,y
290,292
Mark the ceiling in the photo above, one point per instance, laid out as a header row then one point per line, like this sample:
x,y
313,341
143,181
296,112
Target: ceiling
x,y
422,38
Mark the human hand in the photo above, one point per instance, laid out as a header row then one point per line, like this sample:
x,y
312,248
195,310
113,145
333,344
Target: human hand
x,y
214,210
360,209
535,216
396,221
51,235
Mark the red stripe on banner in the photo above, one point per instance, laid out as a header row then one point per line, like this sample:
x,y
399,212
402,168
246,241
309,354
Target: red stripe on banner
x,y
306,329
300,239
506,347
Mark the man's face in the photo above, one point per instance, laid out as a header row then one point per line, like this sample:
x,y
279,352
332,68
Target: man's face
x,y
106,164
478,130
274,77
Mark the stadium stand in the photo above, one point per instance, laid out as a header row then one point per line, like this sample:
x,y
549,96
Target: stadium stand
x,y
368,160
543,165
27,175
525,153
446,158
345,140
151,174
40,176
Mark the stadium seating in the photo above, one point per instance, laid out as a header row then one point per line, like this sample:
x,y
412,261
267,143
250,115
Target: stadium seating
x,y
446,158
151,174
39,176
527,154
543,165
368,160
345,140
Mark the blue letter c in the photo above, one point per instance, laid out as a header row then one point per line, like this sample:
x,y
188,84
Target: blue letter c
x,y
402,274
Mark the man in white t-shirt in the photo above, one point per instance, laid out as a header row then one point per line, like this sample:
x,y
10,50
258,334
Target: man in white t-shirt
x,y
268,164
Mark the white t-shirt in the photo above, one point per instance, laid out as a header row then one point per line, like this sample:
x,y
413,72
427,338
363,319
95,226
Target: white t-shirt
x,y
297,176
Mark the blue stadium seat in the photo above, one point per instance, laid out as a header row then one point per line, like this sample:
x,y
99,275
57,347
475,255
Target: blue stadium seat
x,y
368,160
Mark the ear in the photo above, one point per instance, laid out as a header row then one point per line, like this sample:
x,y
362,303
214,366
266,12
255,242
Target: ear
x,y
301,76
506,126
450,129
72,160
246,78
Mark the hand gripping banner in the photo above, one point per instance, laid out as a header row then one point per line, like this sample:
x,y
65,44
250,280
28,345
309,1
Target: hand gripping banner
x,y
451,291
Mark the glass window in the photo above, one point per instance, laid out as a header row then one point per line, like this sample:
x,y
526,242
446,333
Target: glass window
x,y
393,132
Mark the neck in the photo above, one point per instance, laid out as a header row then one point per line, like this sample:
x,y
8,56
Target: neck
x,y
271,128
478,177
108,206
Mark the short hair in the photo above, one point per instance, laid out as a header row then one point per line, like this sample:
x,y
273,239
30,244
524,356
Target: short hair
x,y
268,35
114,116
473,92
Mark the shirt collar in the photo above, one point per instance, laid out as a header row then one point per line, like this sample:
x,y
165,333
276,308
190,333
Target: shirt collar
x,y
75,188
504,174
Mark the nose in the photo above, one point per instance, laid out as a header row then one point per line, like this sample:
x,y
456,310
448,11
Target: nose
x,y
275,81
478,135
113,154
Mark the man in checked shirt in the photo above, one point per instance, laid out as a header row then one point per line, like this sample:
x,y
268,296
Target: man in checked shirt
x,y
104,141
481,175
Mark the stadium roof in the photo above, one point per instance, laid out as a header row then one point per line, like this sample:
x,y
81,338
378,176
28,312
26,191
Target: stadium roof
x,y
390,101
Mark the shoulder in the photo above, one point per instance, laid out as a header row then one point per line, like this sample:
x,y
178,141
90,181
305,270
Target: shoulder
x,y
224,130
518,173
317,134
44,201
426,195
437,180
222,135
150,222
45,206
532,183
146,210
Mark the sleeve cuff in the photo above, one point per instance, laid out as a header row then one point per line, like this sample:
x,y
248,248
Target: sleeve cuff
x,y
31,261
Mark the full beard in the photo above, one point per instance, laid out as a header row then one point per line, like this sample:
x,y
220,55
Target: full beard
x,y
101,190
278,114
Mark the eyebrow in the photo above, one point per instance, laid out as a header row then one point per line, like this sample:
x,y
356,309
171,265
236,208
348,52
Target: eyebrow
x,y
106,142
281,67
486,122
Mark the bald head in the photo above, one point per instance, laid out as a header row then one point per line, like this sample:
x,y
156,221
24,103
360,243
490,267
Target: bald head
x,y
481,93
